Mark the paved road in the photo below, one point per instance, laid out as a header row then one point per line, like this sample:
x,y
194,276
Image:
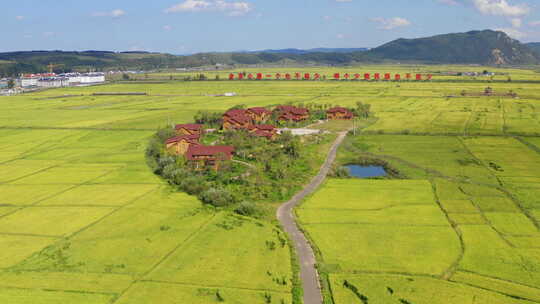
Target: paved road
x,y
308,273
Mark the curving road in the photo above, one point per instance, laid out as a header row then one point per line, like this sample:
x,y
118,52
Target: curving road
x,y
308,272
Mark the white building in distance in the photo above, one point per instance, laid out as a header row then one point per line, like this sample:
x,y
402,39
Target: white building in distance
x,y
63,80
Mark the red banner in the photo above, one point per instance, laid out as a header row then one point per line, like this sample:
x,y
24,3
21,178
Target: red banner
x,y
337,76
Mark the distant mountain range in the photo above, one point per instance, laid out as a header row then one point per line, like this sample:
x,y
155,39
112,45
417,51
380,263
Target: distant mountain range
x,y
535,46
316,50
476,47
481,47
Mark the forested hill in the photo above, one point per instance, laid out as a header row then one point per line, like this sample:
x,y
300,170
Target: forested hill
x,y
478,47
535,46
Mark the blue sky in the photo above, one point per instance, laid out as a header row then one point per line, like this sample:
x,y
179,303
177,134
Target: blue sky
x,y
189,26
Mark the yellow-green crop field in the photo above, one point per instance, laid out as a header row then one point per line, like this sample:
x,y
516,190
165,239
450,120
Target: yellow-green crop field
x,y
83,219
463,228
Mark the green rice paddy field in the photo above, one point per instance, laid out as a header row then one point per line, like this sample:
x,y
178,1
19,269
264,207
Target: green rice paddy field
x,y
83,220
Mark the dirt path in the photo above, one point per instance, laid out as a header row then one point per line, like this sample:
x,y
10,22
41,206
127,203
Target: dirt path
x,y
308,273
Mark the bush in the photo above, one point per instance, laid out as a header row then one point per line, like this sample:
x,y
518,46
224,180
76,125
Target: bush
x,y
248,209
340,172
216,197
193,185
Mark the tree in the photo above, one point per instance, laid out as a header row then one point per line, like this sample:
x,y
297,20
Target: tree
x,y
11,84
362,110
125,76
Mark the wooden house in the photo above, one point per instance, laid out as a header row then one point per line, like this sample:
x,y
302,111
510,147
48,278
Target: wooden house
x,y
236,119
339,113
266,131
180,144
201,157
292,113
189,129
259,114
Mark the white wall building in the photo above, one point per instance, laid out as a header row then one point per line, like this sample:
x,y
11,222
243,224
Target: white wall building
x,y
27,82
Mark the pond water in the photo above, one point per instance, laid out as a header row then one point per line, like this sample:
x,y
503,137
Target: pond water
x,y
366,171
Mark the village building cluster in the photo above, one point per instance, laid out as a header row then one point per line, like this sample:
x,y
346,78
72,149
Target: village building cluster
x,y
53,80
187,139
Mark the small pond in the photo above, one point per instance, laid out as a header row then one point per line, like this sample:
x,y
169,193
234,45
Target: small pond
x,y
366,171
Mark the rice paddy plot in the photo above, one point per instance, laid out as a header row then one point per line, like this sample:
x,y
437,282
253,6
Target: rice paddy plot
x,y
128,241
383,289
512,223
225,245
69,174
167,293
67,281
21,195
16,248
99,195
24,296
382,231
489,255
51,221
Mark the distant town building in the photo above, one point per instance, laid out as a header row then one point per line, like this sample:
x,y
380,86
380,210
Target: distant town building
x,y
52,80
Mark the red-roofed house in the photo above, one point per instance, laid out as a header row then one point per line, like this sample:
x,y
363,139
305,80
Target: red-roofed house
x,y
189,129
339,113
268,131
259,114
180,144
236,119
204,156
292,113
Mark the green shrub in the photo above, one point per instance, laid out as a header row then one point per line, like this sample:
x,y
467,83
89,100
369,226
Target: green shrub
x,y
248,209
216,197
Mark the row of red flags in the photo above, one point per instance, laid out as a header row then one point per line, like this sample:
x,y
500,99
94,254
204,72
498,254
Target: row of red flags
x,y
336,76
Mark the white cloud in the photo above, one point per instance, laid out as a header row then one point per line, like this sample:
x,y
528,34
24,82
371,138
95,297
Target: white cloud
x,y
516,22
235,8
340,36
19,17
167,27
391,23
114,13
501,8
512,32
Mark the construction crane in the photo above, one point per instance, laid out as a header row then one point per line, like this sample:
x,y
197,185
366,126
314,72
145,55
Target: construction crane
x,y
52,66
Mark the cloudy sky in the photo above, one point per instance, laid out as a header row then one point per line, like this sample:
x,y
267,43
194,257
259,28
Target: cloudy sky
x,y
189,26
